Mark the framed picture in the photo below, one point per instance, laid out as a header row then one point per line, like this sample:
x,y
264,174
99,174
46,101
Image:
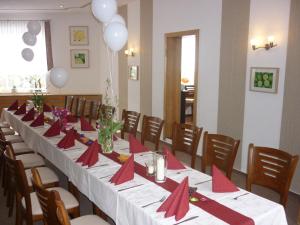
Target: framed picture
x,y
264,79
79,35
79,58
133,72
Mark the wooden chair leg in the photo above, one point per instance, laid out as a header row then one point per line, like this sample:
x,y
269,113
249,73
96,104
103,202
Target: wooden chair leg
x,y
99,212
19,219
11,205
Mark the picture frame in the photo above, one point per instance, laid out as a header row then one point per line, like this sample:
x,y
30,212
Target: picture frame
x,y
79,35
264,79
133,72
79,58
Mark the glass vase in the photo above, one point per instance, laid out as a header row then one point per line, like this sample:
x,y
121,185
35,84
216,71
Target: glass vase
x,y
107,145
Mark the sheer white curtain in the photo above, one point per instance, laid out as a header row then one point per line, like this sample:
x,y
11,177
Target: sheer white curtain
x,y
14,70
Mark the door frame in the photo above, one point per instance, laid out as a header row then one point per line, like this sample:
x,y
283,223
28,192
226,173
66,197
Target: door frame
x,y
195,32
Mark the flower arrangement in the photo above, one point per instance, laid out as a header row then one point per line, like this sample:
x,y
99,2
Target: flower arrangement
x,y
61,114
107,125
38,96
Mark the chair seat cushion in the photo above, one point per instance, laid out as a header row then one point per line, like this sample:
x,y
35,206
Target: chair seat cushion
x,y
8,131
68,199
47,175
4,124
20,148
31,160
89,219
13,138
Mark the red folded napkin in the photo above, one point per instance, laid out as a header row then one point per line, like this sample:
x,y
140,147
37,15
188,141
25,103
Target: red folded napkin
x,y
172,162
220,183
90,156
68,140
46,108
39,121
21,110
71,119
13,106
125,173
54,130
177,204
135,146
29,115
85,126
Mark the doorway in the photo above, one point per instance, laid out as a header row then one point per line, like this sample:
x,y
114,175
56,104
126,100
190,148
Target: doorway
x,y
181,76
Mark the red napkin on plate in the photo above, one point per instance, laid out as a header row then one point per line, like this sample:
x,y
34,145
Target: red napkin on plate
x,y
21,110
90,156
135,146
71,119
220,183
29,115
85,126
46,108
54,130
13,106
68,140
172,162
39,121
125,173
177,204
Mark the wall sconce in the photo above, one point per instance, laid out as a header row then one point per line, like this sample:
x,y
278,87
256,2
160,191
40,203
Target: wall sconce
x,y
129,52
270,44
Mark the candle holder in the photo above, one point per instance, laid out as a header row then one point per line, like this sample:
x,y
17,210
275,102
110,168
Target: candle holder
x,y
150,165
161,168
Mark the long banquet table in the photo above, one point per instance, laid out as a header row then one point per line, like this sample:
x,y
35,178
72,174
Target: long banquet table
x,y
123,205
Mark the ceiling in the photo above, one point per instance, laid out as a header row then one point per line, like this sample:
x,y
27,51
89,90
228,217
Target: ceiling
x,y
47,4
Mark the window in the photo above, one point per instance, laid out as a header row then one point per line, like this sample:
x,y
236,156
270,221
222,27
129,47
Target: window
x,y
188,49
14,70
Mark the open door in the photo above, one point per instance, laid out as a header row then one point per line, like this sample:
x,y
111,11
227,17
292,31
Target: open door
x,y
181,78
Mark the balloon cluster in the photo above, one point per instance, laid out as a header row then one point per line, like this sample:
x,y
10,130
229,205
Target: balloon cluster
x,y
115,32
29,38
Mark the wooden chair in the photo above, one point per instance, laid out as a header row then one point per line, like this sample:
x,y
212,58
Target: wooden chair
x,y
80,107
220,150
186,138
131,121
63,217
69,102
27,205
271,168
10,138
94,112
151,130
46,199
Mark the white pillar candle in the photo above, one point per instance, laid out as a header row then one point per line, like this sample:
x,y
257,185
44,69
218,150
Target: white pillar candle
x,y
160,169
150,169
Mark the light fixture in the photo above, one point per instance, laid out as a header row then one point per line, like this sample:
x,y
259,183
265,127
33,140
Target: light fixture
x,y
61,6
270,44
129,52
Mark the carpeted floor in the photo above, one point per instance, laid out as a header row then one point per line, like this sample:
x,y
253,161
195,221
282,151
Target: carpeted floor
x,y
238,178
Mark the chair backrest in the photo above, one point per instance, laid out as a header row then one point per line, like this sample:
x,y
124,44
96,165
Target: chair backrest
x,y
88,109
220,150
23,189
80,107
94,111
272,168
74,108
107,111
10,165
45,198
61,213
151,130
69,102
186,138
131,120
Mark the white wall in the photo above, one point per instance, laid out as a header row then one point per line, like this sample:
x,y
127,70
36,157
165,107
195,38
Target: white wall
x,y
85,80
177,15
134,42
263,111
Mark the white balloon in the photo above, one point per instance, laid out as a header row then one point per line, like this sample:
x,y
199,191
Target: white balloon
x,y
115,36
27,54
117,18
29,39
34,27
104,10
58,77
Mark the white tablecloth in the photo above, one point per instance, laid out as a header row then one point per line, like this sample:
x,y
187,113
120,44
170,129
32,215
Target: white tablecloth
x,y
125,207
